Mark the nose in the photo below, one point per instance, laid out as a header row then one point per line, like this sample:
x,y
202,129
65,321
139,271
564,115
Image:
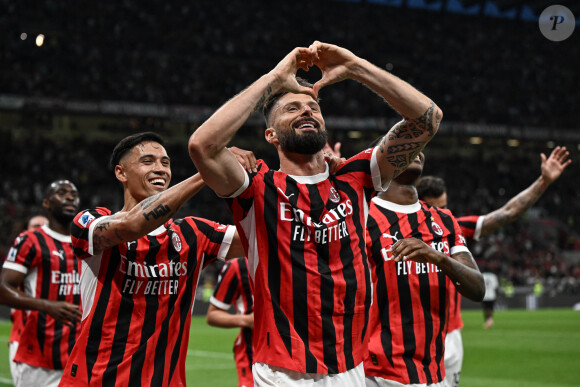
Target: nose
x,y
159,166
306,110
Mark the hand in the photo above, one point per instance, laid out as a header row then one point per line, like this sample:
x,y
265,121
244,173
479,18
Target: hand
x,y
64,312
332,151
248,320
246,158
415,250
285,71
553,166
335,63
332,157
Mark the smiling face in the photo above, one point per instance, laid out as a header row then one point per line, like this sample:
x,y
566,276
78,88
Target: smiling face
x,y
297,124
145,170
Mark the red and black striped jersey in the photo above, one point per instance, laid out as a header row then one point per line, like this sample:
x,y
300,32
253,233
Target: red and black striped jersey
x,y
18,319
137,301
408,318
471,229
52,273
305,242
234,289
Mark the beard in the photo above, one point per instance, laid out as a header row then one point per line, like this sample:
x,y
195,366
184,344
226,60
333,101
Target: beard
x,y
307,143
63,217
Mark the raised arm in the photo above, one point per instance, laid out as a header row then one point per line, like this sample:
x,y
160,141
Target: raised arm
x,y
552,167
145,216
460,267
207,145
421,117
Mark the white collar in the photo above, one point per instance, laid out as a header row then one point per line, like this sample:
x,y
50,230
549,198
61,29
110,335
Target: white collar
x,y
405,209
56,235
312,179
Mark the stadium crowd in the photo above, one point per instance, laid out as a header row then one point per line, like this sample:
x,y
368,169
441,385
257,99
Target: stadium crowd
x,y
479,69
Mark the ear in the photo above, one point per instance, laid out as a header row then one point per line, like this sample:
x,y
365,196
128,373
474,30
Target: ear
x,y
120,173
46,205
271,136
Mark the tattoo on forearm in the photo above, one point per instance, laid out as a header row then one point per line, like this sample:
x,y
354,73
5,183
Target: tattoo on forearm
x,y
146,203
103,226
428,122
118,235
101,242
405,130
398,161
263,99
157,212
415,147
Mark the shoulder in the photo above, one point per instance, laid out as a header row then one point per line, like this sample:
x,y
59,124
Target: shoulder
x,y
85,217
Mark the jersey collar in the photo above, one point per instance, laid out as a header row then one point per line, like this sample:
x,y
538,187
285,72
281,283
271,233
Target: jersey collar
x,y
313,179
56,235
405,209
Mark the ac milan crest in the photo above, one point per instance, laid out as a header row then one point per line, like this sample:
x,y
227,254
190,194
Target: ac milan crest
x,y
176,242
436,228
334,196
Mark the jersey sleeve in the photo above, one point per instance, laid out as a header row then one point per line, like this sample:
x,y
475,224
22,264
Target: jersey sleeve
x,y
471,226
227,288
21,255
82,230
241,201
457,242
216,238
362,170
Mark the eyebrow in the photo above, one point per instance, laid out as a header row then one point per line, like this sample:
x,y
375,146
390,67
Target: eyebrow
x,y
153,156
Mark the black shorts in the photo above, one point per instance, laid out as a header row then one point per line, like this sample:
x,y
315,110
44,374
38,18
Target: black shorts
x,y
488,305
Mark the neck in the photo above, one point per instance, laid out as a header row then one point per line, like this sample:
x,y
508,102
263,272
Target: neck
x,y
404,194
130,201
58,227
302,165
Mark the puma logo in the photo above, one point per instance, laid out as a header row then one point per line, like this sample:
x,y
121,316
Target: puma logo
x,y
282,192
393,237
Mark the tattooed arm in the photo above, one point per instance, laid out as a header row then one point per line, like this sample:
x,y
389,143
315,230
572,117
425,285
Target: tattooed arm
x,y
421,117
207,145
552,167
152,212
460,267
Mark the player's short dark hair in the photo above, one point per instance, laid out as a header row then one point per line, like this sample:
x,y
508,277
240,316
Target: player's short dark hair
x,y
431,186
126,144
271,101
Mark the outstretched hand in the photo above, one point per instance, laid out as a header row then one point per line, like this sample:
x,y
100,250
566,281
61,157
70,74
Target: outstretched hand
x,y
336,63
553,166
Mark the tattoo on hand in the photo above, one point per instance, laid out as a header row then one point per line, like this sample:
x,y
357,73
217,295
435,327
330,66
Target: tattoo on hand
x,y
157,212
